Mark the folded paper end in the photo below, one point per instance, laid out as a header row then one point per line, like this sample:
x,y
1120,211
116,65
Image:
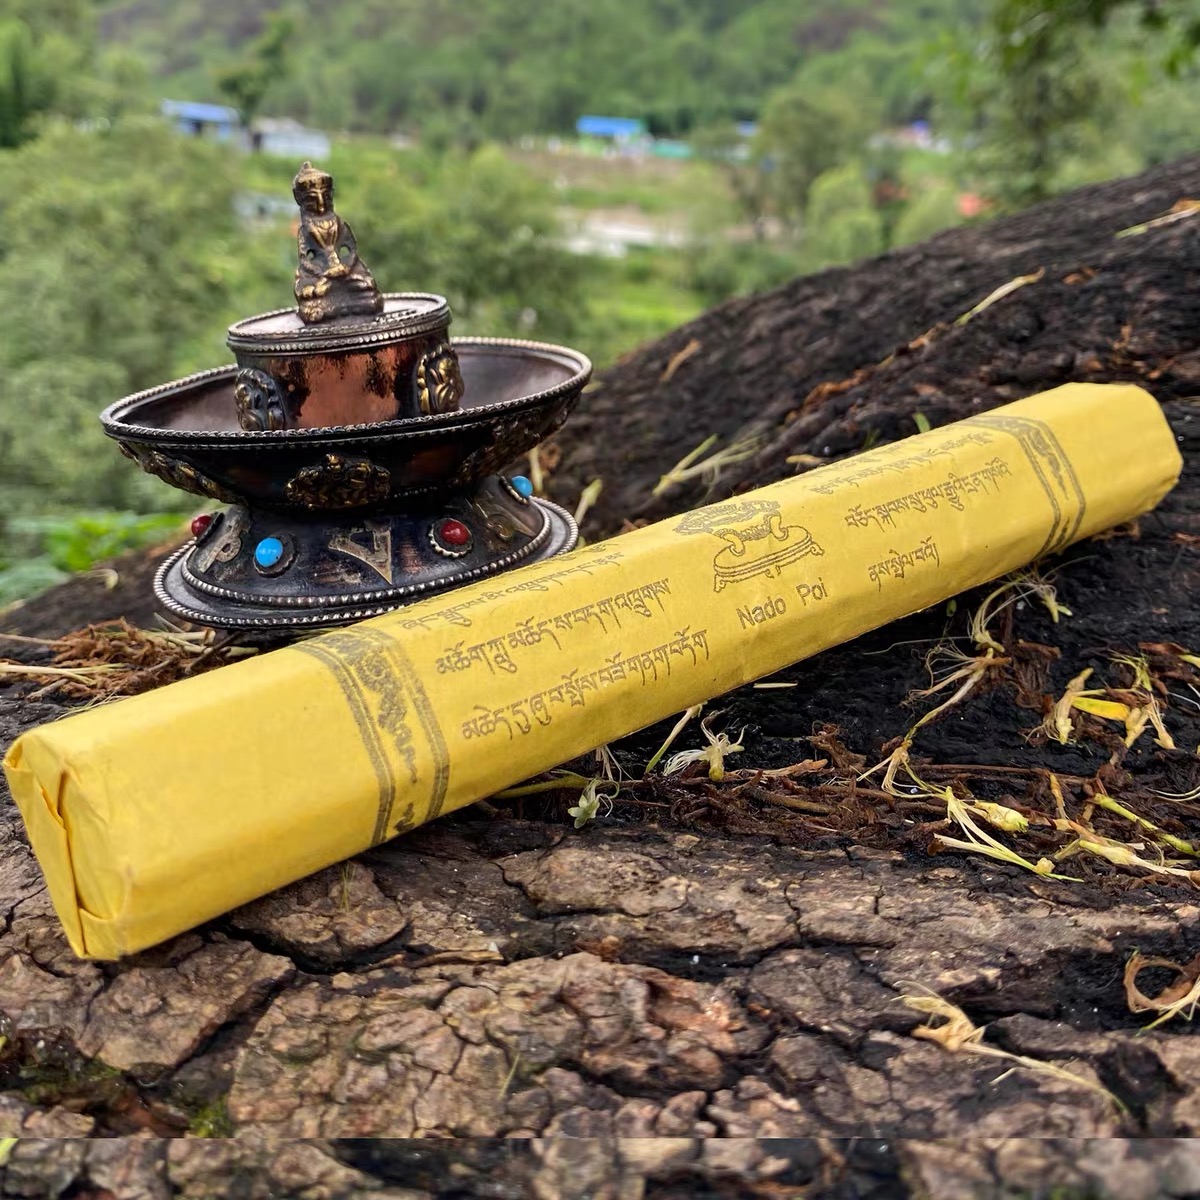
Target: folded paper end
x,y
37,780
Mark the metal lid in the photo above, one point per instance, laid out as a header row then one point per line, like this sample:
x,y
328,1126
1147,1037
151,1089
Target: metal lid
x,y
405,315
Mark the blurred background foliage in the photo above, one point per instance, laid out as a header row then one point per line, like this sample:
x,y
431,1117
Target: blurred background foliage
x,y
795,135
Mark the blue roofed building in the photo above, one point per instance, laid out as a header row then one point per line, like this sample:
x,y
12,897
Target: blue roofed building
x,y
196,119
619,130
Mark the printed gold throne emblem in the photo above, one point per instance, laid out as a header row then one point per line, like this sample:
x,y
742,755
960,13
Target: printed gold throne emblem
x,y
757,542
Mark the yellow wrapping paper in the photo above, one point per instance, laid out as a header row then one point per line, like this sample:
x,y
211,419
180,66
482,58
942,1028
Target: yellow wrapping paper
x,y
155,813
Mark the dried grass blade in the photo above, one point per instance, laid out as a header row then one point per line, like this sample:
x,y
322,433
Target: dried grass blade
x,y
1005,289
1179,999
960,1035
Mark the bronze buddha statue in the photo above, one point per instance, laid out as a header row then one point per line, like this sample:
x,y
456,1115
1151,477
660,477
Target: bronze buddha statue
x,y
331,280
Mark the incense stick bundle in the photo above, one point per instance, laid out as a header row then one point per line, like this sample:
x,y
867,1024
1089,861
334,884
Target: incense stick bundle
x,y
155,813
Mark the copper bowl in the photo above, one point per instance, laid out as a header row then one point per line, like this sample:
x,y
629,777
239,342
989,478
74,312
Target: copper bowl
x,y
516,394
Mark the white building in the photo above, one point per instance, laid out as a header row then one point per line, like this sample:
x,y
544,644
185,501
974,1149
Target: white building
x,y
285,137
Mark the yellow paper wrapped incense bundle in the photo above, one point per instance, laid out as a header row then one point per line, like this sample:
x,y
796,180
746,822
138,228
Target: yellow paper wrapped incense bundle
x,y
155,813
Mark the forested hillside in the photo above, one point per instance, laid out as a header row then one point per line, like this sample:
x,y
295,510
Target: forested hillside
x,y
1044,95
513,67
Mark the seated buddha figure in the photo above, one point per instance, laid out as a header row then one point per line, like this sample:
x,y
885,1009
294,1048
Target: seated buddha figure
x,y
331,280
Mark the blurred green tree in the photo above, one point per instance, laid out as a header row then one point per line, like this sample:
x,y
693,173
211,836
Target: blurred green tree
x,y
246,82
718,268
51,64
476,227
1036,93
28,85
932,208
745,173
802,134
125,235
842,224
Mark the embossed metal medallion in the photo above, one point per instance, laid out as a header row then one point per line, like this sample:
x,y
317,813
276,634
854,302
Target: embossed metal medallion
x,y
439,380
340,483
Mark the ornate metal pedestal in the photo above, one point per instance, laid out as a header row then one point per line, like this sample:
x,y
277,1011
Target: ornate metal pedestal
x,y
357,446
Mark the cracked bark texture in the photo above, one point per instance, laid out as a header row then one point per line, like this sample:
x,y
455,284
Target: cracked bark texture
x,y
632,1011
632,1008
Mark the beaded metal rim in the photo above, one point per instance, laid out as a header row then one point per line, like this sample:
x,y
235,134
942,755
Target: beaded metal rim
x,y
296,620
365,333
535,543
115,427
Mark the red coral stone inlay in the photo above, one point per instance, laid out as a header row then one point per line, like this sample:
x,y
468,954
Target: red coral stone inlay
x,y
201,523
454,533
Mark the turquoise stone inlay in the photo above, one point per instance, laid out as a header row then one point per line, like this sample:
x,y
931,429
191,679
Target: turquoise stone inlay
x,y
523,485
268,552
